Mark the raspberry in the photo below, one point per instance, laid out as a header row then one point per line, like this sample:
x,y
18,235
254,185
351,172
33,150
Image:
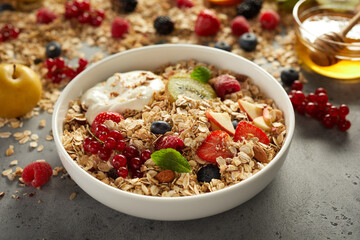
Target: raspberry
x,y
102,117
163,25
269,19
45,16
119,27
207,23
184,3
170,141
249,8
226,84
37,174
239,26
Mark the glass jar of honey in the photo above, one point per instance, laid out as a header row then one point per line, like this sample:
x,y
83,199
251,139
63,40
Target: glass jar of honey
x,y
313,19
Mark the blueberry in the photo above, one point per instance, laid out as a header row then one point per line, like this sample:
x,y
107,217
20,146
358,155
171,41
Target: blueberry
x,y
6,7
248,42
163,25
223,46
235,123
207,173
53,50
160,127
288,76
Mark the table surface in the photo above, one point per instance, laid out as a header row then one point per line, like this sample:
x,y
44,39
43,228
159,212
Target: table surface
x,y
316,194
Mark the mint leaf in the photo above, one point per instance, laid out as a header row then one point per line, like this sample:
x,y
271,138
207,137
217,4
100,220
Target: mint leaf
x,y
200,73
171,159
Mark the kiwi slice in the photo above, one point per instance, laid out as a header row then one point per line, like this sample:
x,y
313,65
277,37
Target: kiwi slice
x,y
182,83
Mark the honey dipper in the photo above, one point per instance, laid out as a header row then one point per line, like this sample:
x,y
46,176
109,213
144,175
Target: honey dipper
x,y
326,42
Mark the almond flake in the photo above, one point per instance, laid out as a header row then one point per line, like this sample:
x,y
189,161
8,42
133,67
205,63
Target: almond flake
x,y
40,148
73,195
14,162
42,123
7,172
5,134
10,151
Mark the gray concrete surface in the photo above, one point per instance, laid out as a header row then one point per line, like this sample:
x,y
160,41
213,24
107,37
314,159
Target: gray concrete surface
x,y
316,195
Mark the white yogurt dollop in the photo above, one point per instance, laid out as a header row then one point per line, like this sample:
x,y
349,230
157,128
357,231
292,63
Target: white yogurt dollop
x,y
131,90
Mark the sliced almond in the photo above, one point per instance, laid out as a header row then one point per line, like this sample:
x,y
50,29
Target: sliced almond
x,y
260,154
165,176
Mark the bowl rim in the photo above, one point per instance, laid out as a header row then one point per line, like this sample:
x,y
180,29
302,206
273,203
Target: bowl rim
x,y
56,133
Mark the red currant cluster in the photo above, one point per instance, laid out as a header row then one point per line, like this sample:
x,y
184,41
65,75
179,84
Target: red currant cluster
x,y
317,106
58,70
84,13
110,143
8,32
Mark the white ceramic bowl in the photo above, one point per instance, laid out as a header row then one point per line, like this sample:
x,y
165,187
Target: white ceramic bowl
x,y
167,208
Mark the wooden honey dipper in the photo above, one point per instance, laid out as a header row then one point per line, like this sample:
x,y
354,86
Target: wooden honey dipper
x,y
324,42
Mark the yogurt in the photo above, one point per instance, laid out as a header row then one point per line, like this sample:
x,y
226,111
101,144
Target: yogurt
x,y
130,90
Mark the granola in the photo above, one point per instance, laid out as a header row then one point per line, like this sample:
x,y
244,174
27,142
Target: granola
x,y
190,123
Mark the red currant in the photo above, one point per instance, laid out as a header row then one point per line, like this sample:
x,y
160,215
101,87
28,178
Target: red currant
x,y
135,163
131,152
137,173
343,110
86,144
299,97
320,90
104,153
311,97
110,143
329,121
122,172
84,17
115,135
94,146
321,99
333,111
297,85
310,108
101,128
119,161
145,155
121,145
301,108
344,125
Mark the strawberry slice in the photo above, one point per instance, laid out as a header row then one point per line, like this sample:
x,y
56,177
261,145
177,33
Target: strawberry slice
x,y
245,130
102,117
214,146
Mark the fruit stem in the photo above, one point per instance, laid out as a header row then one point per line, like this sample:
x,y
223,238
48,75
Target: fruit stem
x,y
92,134
13,75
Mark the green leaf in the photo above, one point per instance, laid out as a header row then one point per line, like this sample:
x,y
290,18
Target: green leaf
x,y
171,159
200,73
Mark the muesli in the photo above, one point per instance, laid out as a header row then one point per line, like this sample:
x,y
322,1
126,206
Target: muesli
x,y
202,129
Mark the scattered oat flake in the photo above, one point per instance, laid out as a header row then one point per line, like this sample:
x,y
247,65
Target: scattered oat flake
x,y
10,151
34,137
2,194
49,138
41,160
5,134
40,148
14,162
42,123
73,195
33,144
